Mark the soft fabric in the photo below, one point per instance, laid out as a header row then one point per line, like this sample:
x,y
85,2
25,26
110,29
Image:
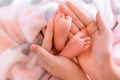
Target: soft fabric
x,y
22,20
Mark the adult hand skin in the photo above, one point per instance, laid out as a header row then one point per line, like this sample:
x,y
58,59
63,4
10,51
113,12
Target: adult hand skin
x,y
58,66
93,61
96,61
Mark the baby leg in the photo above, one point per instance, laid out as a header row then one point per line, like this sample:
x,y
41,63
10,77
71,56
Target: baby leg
x,y
76,45
62,25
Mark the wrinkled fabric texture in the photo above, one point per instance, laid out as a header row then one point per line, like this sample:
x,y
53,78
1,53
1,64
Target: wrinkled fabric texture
x,y
22,20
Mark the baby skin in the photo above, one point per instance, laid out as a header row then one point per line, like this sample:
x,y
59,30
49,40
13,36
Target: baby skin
x,y
77,44
62,25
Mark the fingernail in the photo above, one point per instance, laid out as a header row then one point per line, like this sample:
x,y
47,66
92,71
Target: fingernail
x,y
34,48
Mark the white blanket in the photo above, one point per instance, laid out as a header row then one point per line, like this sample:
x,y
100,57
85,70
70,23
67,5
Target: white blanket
x,y
22,20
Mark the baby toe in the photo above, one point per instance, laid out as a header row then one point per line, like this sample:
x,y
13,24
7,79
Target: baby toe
x,y
80,34
69,19
62,16
57,18
86,47
87,39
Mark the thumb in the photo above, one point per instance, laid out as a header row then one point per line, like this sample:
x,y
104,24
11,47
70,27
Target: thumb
x,y
101,23
46,60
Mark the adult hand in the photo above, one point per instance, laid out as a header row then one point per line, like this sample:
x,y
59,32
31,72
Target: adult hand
x,y
94,60
58,66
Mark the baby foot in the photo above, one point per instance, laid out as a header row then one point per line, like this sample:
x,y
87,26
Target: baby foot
x,y
62,25
76,45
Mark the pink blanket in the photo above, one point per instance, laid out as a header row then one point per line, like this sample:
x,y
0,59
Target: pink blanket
x,y
22,20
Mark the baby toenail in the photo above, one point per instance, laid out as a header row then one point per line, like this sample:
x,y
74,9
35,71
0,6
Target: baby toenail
x,y
56,18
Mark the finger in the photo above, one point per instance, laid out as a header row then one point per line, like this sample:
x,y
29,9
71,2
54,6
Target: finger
x,y
42,53
74,29
83,17
91,28
70,35
44,31
47,42
46,76
101,23
67,11
46,60
84,30
44,65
